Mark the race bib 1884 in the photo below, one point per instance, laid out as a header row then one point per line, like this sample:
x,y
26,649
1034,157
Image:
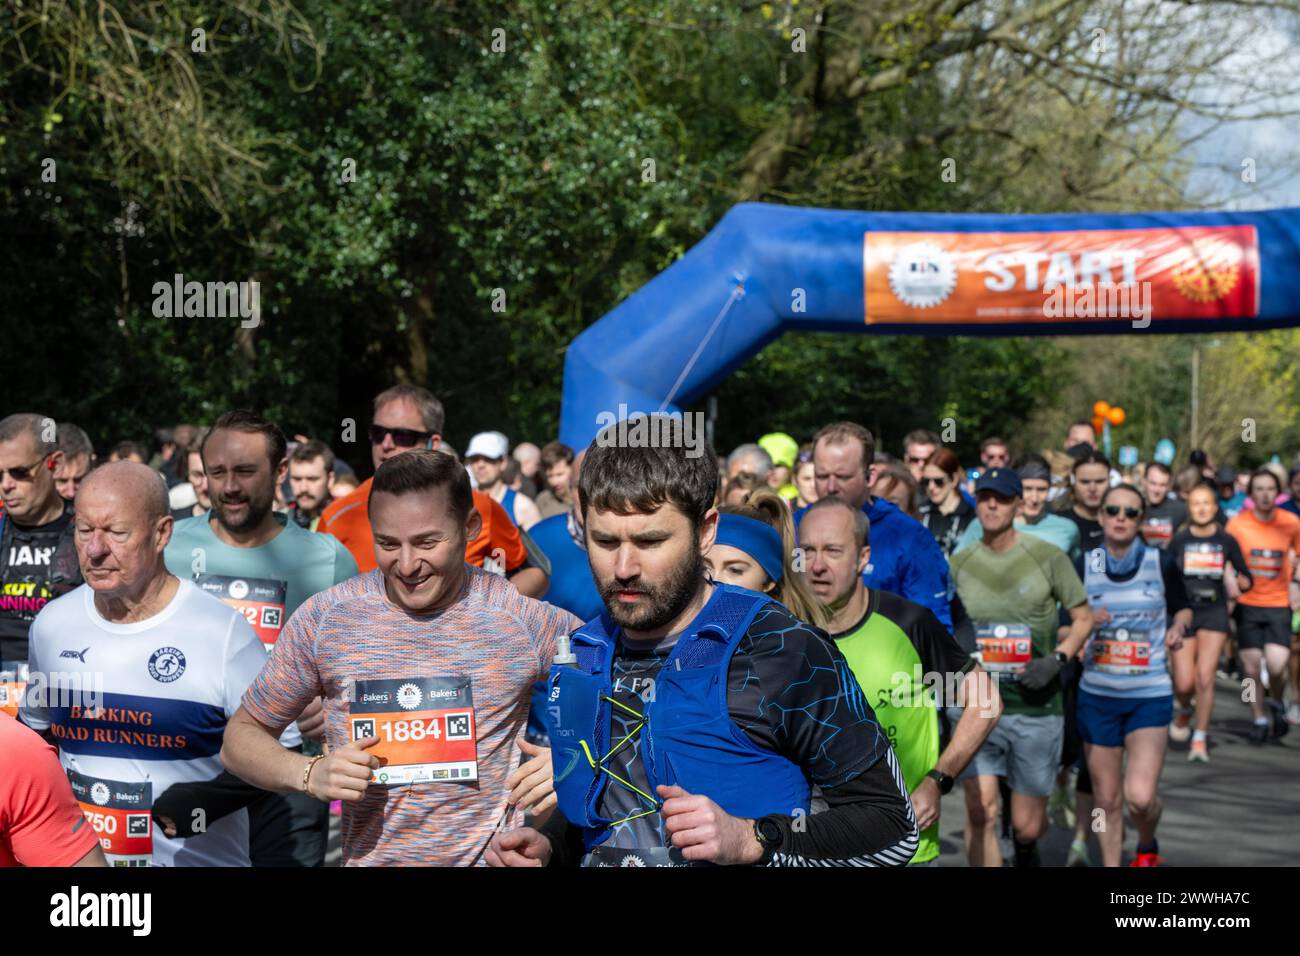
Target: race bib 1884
x,y
425,727
119,813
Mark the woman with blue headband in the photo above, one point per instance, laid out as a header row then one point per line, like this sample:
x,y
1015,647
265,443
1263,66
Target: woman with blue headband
x,y
755,548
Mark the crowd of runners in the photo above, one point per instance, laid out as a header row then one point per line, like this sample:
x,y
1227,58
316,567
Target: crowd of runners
x,y
631,654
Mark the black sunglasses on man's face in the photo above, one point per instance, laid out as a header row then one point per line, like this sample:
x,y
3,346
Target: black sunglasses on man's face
x,y
402,437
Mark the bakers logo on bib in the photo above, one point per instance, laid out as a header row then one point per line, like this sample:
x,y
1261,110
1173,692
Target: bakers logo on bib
x,y
262,601
409,697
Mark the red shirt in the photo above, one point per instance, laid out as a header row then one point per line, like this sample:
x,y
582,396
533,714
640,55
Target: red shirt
x,y
348,519
40,822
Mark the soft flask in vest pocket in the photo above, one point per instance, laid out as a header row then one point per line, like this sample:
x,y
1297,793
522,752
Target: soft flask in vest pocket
x,y
572,702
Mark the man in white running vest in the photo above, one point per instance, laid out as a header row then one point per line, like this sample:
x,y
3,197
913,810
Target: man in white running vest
x,y
138,672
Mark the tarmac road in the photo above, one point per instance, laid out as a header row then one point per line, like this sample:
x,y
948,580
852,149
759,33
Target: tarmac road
x,y
1240,809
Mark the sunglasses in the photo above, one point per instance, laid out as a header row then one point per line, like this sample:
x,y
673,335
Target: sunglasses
x,y
22,473
804,456
927,482
1131,513
914,460
402,437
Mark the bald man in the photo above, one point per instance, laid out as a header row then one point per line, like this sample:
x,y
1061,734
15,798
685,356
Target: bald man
x,y
133,676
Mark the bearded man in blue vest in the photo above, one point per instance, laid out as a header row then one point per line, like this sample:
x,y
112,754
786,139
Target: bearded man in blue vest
x,y
690,722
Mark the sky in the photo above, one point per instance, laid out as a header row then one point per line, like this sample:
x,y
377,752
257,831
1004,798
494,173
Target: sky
x,y
1274,144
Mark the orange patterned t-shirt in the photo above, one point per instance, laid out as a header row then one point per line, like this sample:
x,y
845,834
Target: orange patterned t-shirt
x,y
495,638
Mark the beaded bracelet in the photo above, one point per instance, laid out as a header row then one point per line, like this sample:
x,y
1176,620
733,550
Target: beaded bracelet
x,y
307,772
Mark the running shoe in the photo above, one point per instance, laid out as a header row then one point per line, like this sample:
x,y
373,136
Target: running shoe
x,y
1293,713
1258,733
1199,752
1060,805
1078,855
1148,859
1280,727
1180,728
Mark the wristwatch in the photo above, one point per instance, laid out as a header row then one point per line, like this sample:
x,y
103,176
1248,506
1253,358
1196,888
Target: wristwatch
x,y
769,835
1062,658
944,781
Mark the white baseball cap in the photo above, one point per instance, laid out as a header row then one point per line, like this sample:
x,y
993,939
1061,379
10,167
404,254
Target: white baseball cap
x,y
488,445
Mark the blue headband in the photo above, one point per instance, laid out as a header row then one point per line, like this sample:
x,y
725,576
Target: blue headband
x,y
756,538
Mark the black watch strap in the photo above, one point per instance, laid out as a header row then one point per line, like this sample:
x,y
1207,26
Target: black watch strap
x,y
770,835
944,781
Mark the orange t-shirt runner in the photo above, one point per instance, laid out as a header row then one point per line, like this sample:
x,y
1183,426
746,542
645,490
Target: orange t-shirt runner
x,y
41,823
348,519
1267,547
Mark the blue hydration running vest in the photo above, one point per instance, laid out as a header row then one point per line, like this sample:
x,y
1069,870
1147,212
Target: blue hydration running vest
x,y
689,738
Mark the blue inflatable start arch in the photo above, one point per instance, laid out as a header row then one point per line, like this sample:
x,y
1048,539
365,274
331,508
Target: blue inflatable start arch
x,y
764,270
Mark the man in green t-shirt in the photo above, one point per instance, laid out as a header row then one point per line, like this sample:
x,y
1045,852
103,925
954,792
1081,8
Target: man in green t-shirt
x,y
1010,584
904,660
264,565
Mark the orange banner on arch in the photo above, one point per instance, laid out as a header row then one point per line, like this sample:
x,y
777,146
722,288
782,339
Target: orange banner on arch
x,y
922,278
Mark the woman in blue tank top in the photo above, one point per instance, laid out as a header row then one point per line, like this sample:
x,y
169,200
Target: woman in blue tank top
x,y
1126,696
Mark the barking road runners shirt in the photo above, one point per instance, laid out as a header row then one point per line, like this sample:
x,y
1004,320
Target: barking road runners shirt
x,y
447,694
135,708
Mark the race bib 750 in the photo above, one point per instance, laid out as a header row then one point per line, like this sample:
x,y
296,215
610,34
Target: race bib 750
x,y
119,813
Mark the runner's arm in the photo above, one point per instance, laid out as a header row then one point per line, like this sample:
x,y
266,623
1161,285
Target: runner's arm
x,y
286,683
976,691
812,710
1081,624
252,751
869,823
1066,577
216,798
528,512
532,578
1238,562
565,840
981,710
1175,590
